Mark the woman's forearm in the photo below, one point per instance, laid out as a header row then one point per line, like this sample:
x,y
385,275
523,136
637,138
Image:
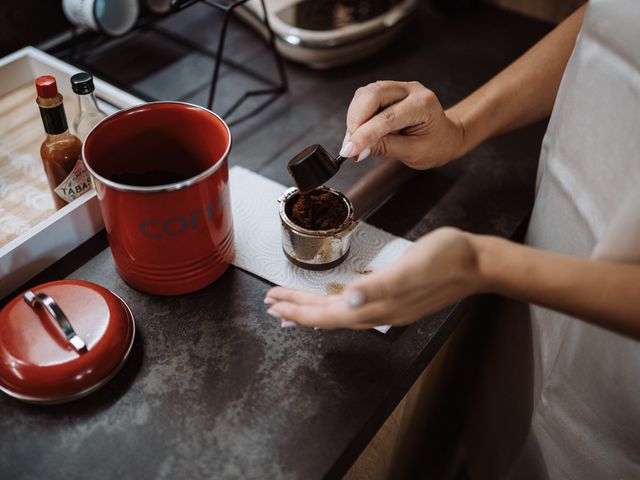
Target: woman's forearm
x,y
606,294
522,93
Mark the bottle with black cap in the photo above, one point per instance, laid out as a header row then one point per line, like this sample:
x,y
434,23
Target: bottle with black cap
x,y
60,150
89,114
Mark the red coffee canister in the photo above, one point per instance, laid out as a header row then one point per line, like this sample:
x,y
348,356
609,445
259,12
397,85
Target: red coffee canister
x,y
161,175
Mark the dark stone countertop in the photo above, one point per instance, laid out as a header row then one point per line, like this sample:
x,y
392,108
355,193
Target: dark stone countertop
x,y
214,387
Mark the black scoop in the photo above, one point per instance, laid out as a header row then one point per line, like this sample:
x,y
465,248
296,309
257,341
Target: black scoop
x,y
313,167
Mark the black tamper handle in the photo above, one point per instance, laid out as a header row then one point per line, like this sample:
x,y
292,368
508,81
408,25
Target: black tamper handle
x,y
339,160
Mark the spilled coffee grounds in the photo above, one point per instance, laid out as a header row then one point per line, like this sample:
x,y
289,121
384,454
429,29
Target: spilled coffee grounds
x,y
317,210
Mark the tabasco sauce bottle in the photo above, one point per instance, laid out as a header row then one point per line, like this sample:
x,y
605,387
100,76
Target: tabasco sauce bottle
x,y
60,151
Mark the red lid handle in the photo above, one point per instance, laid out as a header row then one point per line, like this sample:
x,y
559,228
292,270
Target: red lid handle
x,y
52,308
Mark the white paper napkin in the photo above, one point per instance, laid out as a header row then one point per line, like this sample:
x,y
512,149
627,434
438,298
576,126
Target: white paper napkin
x,y
256,222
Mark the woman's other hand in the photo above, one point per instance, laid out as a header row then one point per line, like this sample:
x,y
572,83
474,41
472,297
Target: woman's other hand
x,y
436,271
401,120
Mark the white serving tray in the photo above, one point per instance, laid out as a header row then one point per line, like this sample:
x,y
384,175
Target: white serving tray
x,y
27,255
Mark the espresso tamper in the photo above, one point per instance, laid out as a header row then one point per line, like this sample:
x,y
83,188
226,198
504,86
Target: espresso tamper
x,y
313,167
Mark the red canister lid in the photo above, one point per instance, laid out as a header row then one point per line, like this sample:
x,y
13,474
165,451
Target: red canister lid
x,y
62,340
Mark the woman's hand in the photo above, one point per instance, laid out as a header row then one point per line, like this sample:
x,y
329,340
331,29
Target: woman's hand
x,y
402,120
436,271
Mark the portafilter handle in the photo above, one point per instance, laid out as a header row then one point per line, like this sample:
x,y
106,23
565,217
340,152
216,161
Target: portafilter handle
x,y
376,186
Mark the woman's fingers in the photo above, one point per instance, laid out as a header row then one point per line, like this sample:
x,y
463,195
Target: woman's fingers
x,y
403,120
332,314
281,294
382,286
409,150
367,102
367,302
391,119
370,99
411,111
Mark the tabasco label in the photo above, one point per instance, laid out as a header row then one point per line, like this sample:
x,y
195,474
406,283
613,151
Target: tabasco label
x,y
76,183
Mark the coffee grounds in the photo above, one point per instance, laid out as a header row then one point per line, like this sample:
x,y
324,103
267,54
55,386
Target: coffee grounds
x,y
148,179
318,210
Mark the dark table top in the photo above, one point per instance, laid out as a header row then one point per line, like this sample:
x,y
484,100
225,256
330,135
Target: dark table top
x,y
214,386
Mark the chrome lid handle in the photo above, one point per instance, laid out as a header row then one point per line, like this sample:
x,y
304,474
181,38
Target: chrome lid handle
x,y
52,308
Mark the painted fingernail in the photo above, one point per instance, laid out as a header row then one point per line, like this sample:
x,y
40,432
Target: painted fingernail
x,y
355,299
288,324
269,301
364,154
347,149
273,313
346,139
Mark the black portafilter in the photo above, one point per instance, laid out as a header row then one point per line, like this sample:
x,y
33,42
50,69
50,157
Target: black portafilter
x,y
313,167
